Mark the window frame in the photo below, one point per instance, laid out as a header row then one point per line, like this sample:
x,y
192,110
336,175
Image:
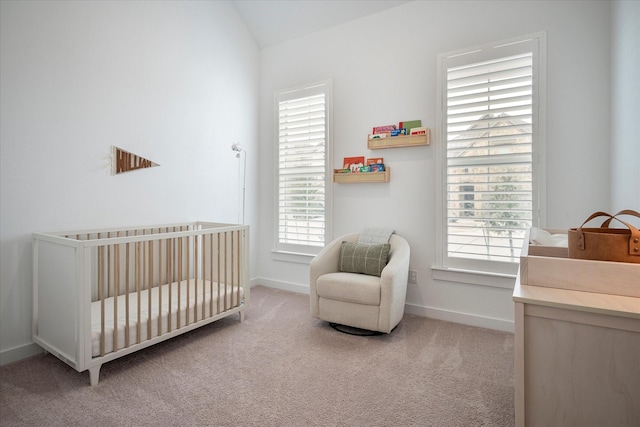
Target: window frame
x,y
473,55
300,253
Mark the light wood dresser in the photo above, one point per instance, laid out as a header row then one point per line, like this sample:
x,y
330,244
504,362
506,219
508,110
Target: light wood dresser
x,y
577,341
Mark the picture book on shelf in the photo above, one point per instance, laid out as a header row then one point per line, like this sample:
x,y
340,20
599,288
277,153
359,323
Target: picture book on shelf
x,y
407,127
419,131
383,129
401,131
353,163
375,160
410,124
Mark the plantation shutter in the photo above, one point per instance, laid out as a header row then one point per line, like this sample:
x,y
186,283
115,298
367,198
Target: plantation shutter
x,y
490,135
302,160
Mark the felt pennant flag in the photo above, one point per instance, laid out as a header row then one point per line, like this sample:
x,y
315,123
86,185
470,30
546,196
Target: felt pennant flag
x,y
124,161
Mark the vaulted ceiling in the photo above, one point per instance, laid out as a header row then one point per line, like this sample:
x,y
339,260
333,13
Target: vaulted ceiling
x,y
274,21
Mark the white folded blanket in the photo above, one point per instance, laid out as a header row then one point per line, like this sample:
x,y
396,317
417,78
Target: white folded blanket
x,y
375,236
538,236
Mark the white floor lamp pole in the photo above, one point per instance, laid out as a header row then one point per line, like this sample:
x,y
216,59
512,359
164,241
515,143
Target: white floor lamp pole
x,y
238,149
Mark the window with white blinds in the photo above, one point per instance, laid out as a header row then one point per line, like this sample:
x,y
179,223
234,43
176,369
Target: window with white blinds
x,y
303,152
490,122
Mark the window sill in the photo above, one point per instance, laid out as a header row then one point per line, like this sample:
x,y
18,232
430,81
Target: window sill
x,y
295,257
482,278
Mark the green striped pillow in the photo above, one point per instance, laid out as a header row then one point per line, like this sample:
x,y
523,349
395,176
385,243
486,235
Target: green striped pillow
x,y
363,258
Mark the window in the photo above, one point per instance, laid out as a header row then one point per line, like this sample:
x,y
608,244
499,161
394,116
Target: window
x,y
491,143
303,168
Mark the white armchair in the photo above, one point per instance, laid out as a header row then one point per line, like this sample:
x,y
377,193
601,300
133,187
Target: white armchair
x,y
360,300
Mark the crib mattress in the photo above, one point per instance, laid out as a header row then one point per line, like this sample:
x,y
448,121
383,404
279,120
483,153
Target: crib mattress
x,y
189,300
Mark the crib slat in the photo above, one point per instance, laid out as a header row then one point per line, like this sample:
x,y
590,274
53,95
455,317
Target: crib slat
x,y
226,270
219,277
202,263
149,282
239,268
101,295
187,277
195,278
127,336
116,285
232,273
211,276
159,283
180,240
138,279
109,266
170,280
178,276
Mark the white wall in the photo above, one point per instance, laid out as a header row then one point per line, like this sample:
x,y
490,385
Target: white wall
x,y
175,82
384,71
625,106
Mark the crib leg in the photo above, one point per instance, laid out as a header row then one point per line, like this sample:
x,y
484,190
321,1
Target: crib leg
x,y
242,316
94,374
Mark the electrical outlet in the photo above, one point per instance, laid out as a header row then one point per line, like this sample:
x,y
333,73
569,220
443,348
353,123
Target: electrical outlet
x,y
413,276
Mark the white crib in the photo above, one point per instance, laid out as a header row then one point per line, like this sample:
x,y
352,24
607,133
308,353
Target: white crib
x,y
101,294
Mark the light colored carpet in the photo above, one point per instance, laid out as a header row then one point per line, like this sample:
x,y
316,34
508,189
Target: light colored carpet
x,y
279,367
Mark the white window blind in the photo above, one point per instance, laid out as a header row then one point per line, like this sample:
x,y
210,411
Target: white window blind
x,y
302,168
490,109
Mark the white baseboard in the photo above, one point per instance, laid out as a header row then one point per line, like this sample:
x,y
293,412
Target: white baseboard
x,y
284,286
463,318
431,312
19,353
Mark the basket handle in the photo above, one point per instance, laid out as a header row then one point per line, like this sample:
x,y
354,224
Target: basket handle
x,y
634,238
622,212
579,232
